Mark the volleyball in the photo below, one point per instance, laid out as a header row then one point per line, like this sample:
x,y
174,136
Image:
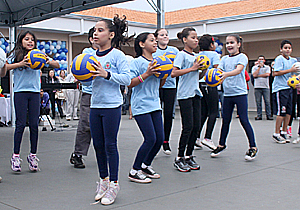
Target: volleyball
x,y
297,65
206,63
165,66
81,67
212,77
171,55
293,81
2,57
36,59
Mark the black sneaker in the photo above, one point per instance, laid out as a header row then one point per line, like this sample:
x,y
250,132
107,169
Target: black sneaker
x,y
139,177
285,138
251,154
217,151
149,172
192,163
279,139
181,165
76,160
166,148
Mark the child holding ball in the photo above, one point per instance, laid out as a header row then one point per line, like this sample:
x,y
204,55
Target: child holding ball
x,y
105,114
235,93
188,95
146,109
282,93
27,87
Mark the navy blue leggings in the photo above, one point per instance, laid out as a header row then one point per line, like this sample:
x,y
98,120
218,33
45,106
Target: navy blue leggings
x,y
24,101
104,125
151,126
242,108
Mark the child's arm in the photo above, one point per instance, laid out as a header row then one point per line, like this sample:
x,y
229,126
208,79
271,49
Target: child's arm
x,y
140,79
282,72
22,63
3,70
52,63
236,71
179,72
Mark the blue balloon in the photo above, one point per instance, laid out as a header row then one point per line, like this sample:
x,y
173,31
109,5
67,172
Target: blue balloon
x,y
48,51
64,58
47,46
41,47
63,46
6,44
59,51
218,49
63,42
2,40
65,65
221,44
3,47
65,50
54,43
48,43
218,41
62,54
54,51
58,58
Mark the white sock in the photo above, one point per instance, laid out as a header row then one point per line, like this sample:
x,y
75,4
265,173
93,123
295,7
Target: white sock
x,y
276,134
283,132
144,166
186,157
133,172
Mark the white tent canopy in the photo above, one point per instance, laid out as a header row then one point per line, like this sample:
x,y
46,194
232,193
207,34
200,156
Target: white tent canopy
x,y
19,12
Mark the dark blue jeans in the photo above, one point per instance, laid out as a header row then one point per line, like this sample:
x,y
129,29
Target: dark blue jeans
x,y
151,126
242,108
26,101
104,125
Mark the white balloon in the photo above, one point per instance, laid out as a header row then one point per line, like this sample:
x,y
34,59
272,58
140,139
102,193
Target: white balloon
x,y
51,47
62,62
58,46
1,42
221,46
216,44
43,50
59,42
50,42
43,43
57,54
2,57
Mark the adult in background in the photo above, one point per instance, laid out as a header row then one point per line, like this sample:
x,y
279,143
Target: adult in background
x,y
261,73
72,97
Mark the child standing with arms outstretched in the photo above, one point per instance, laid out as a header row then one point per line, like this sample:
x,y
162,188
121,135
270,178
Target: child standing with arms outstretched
x,y
188,95
105,115
27,87
235,93
146,109
167,93
282,93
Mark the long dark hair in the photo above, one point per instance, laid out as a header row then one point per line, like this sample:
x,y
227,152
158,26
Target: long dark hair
x,y
19,51
140,38
119,27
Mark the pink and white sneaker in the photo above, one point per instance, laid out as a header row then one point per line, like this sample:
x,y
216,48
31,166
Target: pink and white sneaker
x,y
289,131
16,163
33,162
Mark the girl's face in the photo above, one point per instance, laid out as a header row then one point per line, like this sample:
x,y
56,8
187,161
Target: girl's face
x,y
51,73
150,44
191,40
28,42
102,36
286,50
163,37
62,73
232,45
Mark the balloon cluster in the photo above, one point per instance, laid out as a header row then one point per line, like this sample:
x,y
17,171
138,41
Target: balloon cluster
x,y
219,46
4,45
57,50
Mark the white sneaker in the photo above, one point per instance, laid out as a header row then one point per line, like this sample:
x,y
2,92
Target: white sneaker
x,y
296,141
0,178
209,143
111,194
198,144
102,188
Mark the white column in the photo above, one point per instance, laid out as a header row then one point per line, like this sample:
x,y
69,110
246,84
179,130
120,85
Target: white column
x,y
12,38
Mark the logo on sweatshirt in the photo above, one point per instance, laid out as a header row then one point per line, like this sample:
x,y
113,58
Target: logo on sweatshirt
x,y
107,65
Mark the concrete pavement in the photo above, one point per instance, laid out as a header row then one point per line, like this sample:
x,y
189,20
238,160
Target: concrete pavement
x,y
225,182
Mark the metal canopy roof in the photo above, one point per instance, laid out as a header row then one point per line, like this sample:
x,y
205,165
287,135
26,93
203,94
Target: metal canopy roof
x,y
20,12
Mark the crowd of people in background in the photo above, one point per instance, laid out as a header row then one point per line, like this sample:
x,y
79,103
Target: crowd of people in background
x,y
132,89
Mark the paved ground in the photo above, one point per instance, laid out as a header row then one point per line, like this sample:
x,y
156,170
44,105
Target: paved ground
x,y
226,182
